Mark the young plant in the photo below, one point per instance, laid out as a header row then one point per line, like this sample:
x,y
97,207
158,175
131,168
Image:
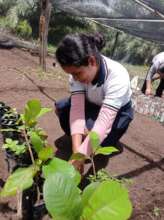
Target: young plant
x,y
101,200
104,200
96,149
31,141
42,161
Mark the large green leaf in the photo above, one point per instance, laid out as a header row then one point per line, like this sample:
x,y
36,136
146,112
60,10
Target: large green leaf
x,y
109,201
62,197
36,141
61,166
106,150
20,180
94,140
88,191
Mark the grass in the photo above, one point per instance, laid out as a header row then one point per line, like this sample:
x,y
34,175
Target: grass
x,y
141,71
51,49
3,22
52,73
57,73
136,70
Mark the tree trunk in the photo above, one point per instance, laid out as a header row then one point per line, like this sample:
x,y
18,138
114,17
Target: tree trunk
x,y
115,44
8,41
43,30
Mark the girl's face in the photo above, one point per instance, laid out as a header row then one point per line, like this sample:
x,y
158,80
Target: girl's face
x,y
84,74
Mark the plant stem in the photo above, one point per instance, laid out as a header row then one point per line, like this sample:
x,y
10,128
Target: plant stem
x,y
93,165
19,204
29,146
38,195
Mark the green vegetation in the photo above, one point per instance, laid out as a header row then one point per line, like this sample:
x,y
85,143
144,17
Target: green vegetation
x,y
96,149
23,29
102,199
22,18
51,48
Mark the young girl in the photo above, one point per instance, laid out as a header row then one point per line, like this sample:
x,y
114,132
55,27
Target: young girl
x,y
100,93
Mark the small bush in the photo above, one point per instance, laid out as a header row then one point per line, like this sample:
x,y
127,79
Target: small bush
x,y
23,29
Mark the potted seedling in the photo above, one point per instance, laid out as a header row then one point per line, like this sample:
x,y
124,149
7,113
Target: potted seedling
x,y
29,149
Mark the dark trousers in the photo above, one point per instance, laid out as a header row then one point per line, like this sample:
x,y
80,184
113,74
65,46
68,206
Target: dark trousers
x,y
120,125
159,89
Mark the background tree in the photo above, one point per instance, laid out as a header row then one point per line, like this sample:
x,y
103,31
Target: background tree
x,y
22,18
43,30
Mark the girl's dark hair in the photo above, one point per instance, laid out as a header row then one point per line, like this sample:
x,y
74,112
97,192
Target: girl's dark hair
x,y
161,68
75,49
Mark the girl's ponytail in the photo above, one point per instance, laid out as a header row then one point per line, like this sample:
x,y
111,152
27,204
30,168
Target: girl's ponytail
x,y
98,40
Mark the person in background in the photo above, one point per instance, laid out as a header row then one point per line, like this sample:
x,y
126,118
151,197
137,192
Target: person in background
x,y
100,94
155,72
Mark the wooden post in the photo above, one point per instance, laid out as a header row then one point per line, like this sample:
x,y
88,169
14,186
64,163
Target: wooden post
x,y
43,30
115,44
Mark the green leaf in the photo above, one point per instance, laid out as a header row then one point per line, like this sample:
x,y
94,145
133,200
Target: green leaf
x,y
36,141
34,107
61,166
62,197
94,140
32,110
20,180
106,150
88,191
78,156
9,141
109,200
26,116
42,134
43,111
46,153
14,146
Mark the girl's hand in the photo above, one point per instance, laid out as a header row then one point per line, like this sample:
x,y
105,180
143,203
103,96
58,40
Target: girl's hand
x,y
86,132
148,92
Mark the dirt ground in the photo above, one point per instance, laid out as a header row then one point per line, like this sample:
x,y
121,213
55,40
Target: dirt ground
x,y
142,160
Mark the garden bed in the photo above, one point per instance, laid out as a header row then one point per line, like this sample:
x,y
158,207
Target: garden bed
x,y
142,160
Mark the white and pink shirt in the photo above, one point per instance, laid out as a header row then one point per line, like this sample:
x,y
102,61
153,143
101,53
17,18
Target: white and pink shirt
x,y
111,91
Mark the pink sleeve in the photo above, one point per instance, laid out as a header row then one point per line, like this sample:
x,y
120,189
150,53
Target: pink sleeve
x,y
102,127
77,114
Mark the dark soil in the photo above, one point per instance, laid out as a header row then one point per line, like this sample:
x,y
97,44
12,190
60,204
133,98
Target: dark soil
x,y
142,160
